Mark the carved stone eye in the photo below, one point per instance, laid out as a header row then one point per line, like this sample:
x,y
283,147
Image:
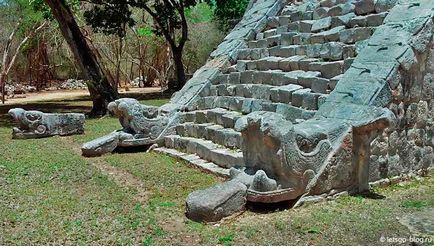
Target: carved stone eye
x,y
33,117
306,145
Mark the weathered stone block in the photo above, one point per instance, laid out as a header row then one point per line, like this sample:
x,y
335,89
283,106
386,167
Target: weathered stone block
x,y
341,9
103,145
310,101
319,13
319,85
286,38
342,21
332,35
350,36
297,97
234,78
364,6
321,24
217,202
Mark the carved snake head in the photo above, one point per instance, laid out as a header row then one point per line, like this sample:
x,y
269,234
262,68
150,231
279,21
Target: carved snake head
x,y
27,120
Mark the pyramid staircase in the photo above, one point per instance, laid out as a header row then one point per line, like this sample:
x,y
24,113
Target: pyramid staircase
x,y
290,68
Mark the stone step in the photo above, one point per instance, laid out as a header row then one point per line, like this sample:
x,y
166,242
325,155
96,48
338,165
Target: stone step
x,y
292,66
288,17
371,20
206,150
328,8
305,99
335,34
265,92
272,77
196,161
353,35
333,8
297,96
297,13
330,51
227,137
252,53
258,91
330,22
331,3
219,116
221,110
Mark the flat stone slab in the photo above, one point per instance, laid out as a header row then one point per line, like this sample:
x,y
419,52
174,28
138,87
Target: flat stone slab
x,y
420,223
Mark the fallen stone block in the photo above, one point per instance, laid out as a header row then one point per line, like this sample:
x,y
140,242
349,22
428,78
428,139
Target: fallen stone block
x,y
217,202
100,146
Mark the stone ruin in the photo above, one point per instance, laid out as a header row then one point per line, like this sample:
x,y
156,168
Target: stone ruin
x,y
36,124
301,101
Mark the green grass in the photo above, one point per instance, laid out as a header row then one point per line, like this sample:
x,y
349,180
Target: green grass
x,y
51,194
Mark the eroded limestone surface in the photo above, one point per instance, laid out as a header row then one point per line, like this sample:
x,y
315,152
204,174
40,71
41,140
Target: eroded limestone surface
x,y
36,124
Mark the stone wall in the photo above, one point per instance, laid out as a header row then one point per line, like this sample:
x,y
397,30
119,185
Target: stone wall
x,y
394,71
407,148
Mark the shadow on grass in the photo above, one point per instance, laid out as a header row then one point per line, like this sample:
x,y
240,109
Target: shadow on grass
x,y
371,195
133,149
265,208
146,96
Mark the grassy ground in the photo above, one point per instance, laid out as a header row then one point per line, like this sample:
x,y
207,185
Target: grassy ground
x,y
50,194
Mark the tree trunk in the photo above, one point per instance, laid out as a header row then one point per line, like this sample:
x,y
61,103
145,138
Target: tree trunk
x,y
2,85
179,71
100,89
118,63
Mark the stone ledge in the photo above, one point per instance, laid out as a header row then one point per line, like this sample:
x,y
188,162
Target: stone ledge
x,y
195,161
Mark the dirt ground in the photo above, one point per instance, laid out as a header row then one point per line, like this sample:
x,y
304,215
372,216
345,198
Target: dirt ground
x,y
67,94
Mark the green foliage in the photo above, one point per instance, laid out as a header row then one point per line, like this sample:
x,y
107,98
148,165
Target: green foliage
x,y
227,239
200,13
144,31
313,230
40,8
113,16
226,12
23,12
110,18
203,39
414,204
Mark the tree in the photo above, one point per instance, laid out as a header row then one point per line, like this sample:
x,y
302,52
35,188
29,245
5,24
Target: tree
x,y
168,18
29,23
228,12
8,62
119,20
101,91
